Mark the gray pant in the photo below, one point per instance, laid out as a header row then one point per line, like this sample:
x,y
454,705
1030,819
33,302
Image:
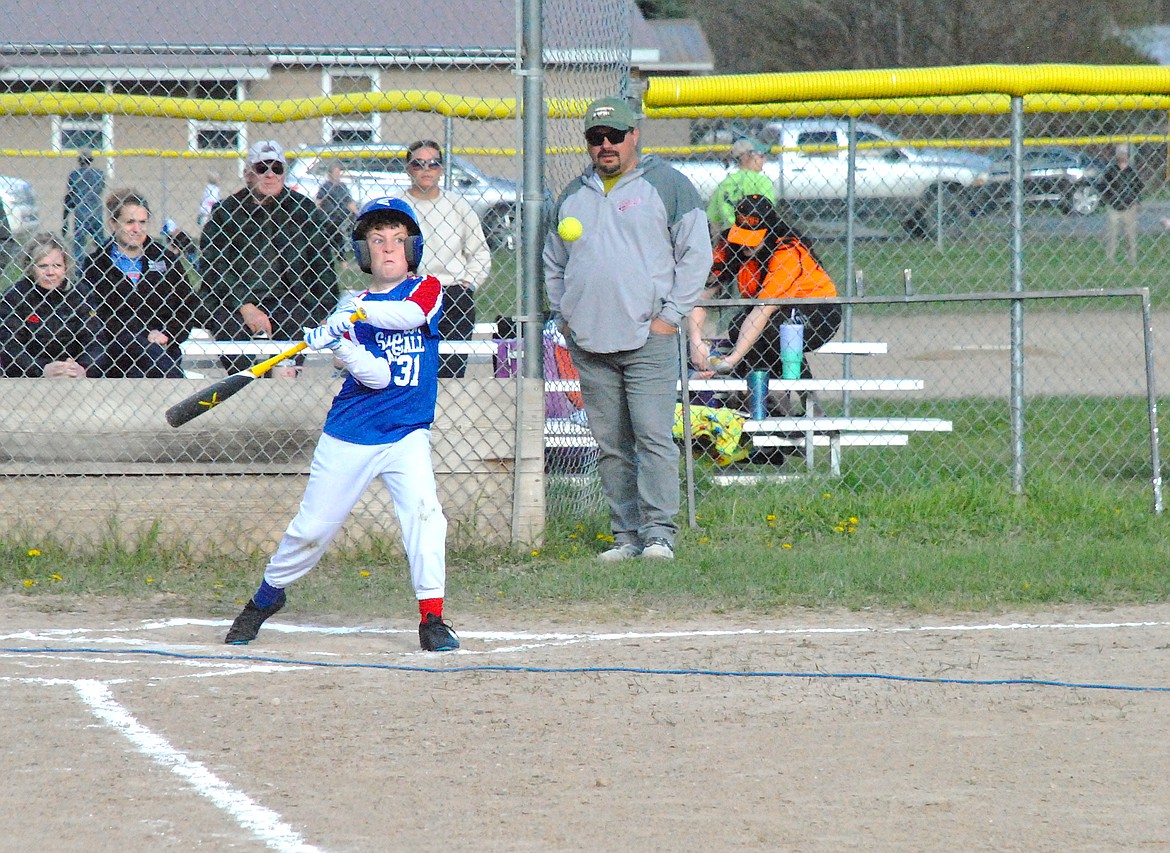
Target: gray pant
x,y
629,398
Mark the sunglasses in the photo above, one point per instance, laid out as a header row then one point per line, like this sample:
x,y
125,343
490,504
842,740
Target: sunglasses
x,y
266,166
433,163
598,135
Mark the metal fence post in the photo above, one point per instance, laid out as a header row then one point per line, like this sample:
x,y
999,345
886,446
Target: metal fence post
x,y
1017,285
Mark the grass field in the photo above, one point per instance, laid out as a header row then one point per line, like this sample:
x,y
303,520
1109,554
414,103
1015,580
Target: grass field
x,y
918,531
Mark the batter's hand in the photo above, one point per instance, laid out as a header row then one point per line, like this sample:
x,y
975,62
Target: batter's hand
x,y
338,324
321,338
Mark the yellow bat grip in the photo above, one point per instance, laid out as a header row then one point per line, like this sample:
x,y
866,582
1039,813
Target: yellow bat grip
x,y
263,367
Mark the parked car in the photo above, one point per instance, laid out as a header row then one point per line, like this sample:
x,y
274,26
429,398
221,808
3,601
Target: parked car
x,y
377,169
1059,176
19,217
810,164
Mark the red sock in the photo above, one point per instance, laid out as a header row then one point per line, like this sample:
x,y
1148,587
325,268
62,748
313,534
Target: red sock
x,y
427,606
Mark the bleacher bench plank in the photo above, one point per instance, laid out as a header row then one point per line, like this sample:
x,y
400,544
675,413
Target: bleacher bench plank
x,y
811,385
203,348
804,432
834,424
827,385
213,349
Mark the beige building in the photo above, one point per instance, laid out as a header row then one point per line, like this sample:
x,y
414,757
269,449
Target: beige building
x,y
291,52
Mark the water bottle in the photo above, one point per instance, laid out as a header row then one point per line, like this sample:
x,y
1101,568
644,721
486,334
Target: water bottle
x,y
758,394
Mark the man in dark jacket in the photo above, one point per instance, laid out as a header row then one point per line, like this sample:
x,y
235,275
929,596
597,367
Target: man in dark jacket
x,y
141,293
1121,189
267,259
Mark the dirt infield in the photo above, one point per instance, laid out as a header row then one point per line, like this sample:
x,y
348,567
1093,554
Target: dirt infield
x,y
804,731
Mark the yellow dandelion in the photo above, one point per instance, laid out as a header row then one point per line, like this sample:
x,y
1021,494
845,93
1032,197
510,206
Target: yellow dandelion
x,y
29,582
572,535
34,552
853,519
364,573
150,580
55,577
786,545
827,495
769,517
535,553
704,539
839,529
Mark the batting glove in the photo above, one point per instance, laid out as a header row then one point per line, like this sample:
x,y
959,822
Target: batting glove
x,y
338,324
320,338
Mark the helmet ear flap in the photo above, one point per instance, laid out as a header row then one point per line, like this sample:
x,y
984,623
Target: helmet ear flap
x,y
361,251
414,252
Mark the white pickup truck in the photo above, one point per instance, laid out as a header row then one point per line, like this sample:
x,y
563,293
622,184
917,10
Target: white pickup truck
x,y
810,163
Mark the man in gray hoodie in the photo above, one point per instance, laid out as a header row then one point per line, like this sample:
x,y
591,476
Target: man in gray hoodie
x,y
619,293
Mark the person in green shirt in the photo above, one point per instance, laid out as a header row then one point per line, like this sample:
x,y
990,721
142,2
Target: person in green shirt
x,y
748,179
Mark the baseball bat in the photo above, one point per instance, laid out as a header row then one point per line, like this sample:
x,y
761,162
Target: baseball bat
x,y
192,407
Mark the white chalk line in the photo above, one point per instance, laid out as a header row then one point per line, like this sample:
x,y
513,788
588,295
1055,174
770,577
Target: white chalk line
x,y
262,822
520,641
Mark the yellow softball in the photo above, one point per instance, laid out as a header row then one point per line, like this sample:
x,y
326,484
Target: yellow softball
x,y
570,229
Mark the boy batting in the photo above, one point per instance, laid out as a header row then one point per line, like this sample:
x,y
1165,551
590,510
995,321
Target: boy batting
x,y
378,426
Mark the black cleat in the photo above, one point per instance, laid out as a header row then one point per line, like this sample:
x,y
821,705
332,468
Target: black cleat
x,y
247,624
435,635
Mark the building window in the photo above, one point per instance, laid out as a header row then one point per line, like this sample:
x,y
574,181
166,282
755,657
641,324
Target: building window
x,y
355,127
76,132
210,138
351,135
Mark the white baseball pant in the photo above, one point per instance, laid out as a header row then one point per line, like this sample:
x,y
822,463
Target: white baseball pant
x,y
338,475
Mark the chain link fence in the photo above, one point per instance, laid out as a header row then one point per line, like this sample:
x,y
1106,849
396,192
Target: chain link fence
x,y
905,204
145,168
906,208
1038,393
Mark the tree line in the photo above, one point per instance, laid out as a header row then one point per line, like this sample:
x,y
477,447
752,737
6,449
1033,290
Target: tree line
x,y
813,35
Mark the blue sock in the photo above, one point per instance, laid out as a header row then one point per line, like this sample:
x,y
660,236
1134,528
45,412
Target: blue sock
x,y
266,596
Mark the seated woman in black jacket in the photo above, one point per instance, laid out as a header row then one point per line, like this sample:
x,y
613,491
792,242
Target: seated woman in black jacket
x,y
140,292
48,327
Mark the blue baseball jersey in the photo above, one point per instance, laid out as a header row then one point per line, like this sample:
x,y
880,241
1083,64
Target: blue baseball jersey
x,y
364,415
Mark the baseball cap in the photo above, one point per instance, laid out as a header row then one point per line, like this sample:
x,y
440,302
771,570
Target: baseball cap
x,y
267,149
610,112
752,213
743,145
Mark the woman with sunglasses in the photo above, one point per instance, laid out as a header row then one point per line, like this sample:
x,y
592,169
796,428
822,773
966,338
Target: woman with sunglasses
x,y
267,258
457,253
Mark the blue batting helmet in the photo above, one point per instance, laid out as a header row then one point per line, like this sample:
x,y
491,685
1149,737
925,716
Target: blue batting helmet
x,y
387,211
